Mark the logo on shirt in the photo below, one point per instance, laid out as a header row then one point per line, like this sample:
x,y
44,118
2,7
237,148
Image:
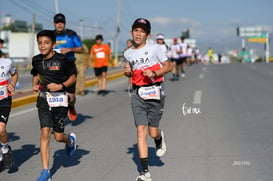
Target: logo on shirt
x,y
59,42
98,49
54,68
3,74
141,61
53,65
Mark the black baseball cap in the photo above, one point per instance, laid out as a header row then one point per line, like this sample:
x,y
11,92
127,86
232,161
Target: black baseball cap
x,y
143,23
59,18
1,40
99,37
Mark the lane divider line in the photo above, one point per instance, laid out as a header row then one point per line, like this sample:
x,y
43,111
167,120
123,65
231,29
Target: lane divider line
x,y
197,99
22,112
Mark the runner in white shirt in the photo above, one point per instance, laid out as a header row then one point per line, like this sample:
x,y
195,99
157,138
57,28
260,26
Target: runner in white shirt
x,y
146,64
174,58
160,41
183,57
197,55
189,55
6,88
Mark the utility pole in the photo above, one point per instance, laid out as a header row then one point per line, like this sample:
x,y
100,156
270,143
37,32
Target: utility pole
x,y
57,6
81,28
267,48
32,41
117,34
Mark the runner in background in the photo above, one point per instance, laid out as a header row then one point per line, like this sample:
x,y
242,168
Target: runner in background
x,y
7,87
160,41
129,43
102,55
197,55
68,43
189,55
210,55
173,55
183,57
81,65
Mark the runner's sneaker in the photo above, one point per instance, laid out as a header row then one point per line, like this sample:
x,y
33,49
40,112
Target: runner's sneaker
x,y
72,114
144,176
161,148
8,160
70,150
45,175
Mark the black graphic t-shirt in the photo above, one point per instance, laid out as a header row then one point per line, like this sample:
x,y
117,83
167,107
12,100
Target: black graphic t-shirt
x,y
57,69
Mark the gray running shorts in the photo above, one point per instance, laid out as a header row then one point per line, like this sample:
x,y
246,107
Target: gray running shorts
x,y
147,112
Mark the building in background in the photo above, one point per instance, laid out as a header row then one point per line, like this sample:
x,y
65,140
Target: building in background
x,y
20,38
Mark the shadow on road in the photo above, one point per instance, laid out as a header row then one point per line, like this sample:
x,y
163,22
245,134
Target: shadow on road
x,y
12,137
80,119
153,159
61,159
22,155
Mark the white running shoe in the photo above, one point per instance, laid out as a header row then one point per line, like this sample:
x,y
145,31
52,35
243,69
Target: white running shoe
x,y
144,176
161,149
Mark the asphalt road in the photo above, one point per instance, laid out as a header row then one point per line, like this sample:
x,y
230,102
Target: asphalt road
x,y
217,122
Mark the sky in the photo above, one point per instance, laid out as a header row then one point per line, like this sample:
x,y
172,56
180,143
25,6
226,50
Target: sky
x,y
212,23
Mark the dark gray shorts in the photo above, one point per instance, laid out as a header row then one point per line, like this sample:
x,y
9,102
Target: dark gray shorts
x,y
147,112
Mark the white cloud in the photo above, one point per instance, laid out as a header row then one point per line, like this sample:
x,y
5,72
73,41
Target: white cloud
x,y
167,21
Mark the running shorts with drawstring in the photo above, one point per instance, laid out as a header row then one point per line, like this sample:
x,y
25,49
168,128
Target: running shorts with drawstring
x,y
147,112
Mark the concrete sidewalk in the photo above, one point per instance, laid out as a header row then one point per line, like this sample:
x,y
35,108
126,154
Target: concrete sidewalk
x,y
25,97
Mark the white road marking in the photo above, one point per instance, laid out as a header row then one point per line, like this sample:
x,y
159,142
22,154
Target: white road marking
x,y
197,99
201,76
204,68
22,112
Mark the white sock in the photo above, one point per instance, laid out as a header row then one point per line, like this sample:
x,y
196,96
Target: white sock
x,y
4,148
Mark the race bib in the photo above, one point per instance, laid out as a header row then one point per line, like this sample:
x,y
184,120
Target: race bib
x,y
57,99
3,92
100,55
151,92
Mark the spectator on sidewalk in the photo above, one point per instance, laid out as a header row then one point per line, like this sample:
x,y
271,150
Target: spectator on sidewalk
x,y
81,64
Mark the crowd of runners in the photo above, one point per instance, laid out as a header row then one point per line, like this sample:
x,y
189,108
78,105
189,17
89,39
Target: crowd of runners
x,y
54,78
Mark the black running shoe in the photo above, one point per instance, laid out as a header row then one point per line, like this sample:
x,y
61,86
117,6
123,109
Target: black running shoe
x,y
8,159
1,165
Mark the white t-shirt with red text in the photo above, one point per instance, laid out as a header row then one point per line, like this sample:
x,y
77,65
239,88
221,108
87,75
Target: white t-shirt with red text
x,y
6,69
149,57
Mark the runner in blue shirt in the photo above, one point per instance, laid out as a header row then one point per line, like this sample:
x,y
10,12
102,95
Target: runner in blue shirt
x,y
68,43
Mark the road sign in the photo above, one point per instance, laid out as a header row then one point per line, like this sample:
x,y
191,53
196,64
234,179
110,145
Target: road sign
x,y
259,39
249,31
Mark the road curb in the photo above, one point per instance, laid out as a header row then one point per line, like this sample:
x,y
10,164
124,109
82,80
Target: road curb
x,y
24,100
